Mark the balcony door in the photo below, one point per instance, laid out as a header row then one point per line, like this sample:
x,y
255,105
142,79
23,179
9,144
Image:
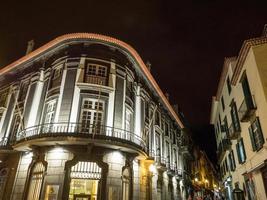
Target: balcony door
x,y
92,116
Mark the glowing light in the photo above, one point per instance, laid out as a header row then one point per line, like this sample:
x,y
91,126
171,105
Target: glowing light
x,y
117,157
28,154
152,169
57,152
206,181
196,179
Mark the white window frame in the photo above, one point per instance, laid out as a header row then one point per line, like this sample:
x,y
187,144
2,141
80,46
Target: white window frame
x,y
94,111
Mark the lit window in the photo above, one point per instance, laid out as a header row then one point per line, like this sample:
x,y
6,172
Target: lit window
x,y
36,180
256,135
95,74
92,115
84,183
50,112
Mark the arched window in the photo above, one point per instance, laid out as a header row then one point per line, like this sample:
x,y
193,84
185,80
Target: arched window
x,y
36,181
126,184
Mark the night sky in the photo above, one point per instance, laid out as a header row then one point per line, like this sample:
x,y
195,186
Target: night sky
x,y
185,42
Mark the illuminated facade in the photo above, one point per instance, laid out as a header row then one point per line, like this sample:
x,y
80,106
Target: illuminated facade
x,y
240,121
205,177
82,118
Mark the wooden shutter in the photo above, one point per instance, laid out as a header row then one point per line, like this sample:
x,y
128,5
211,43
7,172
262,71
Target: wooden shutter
x,y
238,152
260,131
243,147
252,138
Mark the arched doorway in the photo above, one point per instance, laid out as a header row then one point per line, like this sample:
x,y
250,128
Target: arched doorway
x,y
85,181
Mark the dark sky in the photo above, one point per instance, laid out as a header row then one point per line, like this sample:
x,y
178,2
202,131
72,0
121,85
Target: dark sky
x,y
185,41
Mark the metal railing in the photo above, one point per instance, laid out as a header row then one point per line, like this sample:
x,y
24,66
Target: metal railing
x,y
80,130
247,108
99,80
233,133
3,142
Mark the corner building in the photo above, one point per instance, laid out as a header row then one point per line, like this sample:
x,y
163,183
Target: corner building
x,y
82,118
240,120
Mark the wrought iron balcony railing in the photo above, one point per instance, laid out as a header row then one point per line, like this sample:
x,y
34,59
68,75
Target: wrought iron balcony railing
x,y
99,80
234,132
3,142
247,109
80,130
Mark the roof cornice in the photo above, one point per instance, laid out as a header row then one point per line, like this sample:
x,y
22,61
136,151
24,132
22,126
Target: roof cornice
x,y
102,38
225,68
247,44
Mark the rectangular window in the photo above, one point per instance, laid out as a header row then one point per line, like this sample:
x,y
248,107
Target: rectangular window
x,y
92,115
240,150
3,97
246,91
167,151
234,116
56,77
128,120
256,135
95,74
1,114
157,118
222,101
166,129
23,90
228,85
50,112
225,126
232,160
157,146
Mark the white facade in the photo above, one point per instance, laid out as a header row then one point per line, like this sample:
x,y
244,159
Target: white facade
x,y
84,110
241,141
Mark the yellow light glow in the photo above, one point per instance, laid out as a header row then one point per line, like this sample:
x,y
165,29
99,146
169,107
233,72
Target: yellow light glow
x,y
196,179
206,181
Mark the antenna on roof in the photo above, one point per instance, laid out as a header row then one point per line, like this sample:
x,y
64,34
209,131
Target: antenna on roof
x,y
30,46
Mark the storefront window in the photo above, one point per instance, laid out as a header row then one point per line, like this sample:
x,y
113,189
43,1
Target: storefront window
x,y
85,177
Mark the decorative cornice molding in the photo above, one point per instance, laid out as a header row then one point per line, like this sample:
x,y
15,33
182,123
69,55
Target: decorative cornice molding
x,y
225,68
247,44
101,38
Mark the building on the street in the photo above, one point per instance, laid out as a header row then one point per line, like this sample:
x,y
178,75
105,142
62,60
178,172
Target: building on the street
x,y
82,118
239,116
204,175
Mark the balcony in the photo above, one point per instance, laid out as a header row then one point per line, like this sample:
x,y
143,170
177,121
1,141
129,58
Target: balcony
x,y
79,134
234,133
98,80
247,109
226,144
185,149
223,147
